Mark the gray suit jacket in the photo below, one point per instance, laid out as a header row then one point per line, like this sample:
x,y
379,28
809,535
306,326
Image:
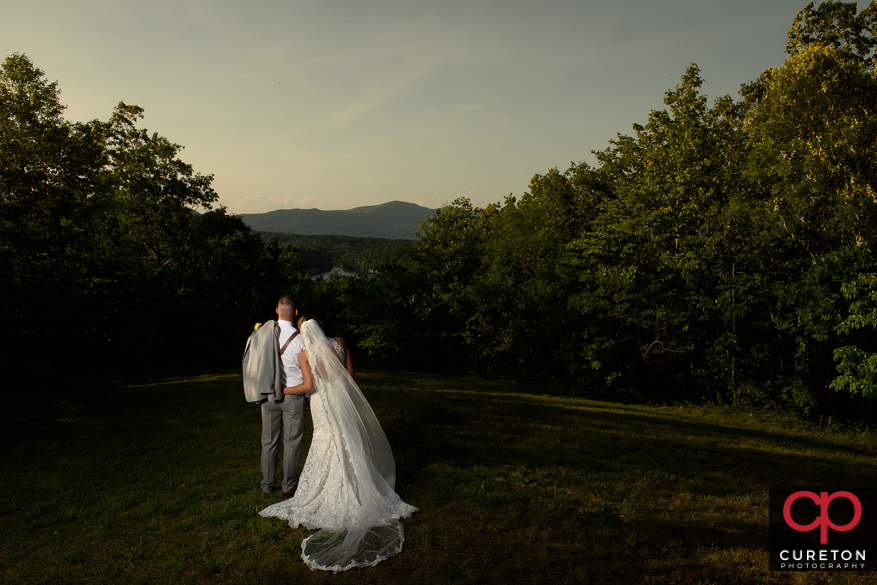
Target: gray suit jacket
x,y
262,364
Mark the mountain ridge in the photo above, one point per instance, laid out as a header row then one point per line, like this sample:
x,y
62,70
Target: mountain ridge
x,y
395,220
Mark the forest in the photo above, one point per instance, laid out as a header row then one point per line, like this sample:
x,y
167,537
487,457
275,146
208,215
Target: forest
x,y
722,252
353,253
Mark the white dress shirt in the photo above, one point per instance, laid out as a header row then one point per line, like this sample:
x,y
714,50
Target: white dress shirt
x,y
290,374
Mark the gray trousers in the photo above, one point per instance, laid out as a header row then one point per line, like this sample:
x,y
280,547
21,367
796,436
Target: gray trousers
x,y
287,416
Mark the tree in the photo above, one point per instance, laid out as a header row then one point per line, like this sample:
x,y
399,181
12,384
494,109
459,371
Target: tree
x,y
50,170
857,361
154,192
662,264
102,224
837,25
814,134
520,320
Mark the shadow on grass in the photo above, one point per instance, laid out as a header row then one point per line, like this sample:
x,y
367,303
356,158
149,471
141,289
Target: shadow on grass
x,y
156,481
667,473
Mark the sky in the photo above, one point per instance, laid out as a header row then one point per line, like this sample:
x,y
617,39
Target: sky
x,y
336,104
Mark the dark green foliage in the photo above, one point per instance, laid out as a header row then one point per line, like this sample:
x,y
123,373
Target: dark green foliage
x,y
49,169
838,26
323,253
103,261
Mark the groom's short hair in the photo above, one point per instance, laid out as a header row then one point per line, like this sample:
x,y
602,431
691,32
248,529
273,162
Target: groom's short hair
x,y
286,306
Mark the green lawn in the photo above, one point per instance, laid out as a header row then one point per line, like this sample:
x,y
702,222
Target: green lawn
x,y
156,481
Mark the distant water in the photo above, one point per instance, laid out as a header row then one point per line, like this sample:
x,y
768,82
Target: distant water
x,y
340,271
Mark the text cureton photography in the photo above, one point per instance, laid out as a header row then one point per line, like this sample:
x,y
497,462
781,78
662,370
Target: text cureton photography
x,y
815,528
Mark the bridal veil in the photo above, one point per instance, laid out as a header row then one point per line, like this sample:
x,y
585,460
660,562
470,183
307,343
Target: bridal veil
x,y
364,528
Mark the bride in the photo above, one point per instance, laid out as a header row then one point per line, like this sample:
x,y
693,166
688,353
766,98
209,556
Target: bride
x,y
346,489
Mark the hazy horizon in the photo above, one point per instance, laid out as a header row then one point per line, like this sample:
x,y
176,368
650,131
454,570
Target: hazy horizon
x,y
320,209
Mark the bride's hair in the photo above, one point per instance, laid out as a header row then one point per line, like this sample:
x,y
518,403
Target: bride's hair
x,y
307,317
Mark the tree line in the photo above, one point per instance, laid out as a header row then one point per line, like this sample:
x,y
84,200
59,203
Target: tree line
x,y
721,251
103,260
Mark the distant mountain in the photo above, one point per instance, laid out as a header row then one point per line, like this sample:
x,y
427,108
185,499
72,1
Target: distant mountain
x,y
395,220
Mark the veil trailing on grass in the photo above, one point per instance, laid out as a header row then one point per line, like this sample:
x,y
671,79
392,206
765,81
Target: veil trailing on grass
x,y
363,527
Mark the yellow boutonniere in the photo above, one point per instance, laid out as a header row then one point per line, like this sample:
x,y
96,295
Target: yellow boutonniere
x,y
256,327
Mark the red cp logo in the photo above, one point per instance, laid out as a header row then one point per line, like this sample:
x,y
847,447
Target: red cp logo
x,y
823,521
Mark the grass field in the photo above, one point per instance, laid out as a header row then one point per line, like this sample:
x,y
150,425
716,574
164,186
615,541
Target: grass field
x,y
156,481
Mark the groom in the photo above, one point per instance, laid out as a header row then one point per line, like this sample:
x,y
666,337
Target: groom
x,y
284,411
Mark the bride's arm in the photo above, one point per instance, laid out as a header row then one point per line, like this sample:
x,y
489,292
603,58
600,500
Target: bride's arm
x,y
348,361
307,383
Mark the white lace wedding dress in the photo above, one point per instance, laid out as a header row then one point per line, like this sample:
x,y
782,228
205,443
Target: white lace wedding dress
x,y
346,489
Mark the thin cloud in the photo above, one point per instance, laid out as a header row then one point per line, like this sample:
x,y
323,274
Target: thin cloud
x,y
251,202
299,203
431,204
383,91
